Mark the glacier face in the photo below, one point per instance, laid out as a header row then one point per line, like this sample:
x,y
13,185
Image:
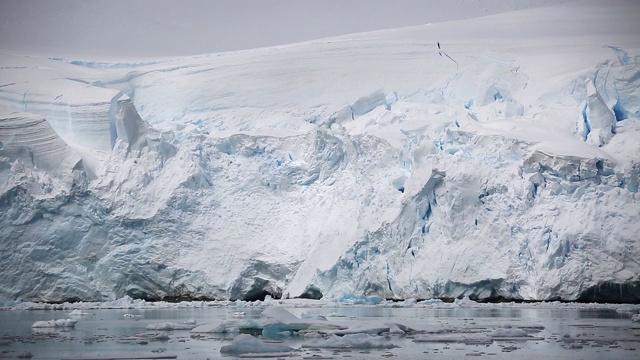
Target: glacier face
x,y
362,164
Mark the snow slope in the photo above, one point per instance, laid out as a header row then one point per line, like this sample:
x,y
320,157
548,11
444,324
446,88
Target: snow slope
x,y
375,164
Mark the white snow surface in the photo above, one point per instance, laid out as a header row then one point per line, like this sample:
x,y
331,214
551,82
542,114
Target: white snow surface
x,y
361,164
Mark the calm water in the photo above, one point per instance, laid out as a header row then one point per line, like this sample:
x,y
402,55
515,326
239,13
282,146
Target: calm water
x,y
556,334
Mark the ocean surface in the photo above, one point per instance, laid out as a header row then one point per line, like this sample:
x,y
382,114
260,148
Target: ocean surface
x,y
446,333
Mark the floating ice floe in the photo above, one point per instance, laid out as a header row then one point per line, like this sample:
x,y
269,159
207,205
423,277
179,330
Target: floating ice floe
x,y
146,336
508,333
167,325
452,338
351,341
276,321
217,326
59,323
635,318
78,312
628,308
244,344
132,316
368,327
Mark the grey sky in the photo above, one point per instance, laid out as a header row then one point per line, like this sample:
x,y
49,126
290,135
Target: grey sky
x,y
147,28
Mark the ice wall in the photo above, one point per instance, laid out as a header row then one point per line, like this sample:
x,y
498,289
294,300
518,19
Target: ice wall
x,y
365,165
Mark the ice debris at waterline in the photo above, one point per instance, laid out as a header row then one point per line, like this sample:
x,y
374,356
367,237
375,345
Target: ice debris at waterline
x,y
363,164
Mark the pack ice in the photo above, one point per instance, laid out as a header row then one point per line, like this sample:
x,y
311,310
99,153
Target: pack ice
x,y
368,164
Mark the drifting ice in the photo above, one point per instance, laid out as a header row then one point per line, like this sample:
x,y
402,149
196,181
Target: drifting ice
x,y
60,323
247,344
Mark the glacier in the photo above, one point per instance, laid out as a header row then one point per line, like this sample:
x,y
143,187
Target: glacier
x,y
362,164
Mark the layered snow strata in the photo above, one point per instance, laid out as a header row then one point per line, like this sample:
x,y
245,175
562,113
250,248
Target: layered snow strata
x,y
28,138
77,110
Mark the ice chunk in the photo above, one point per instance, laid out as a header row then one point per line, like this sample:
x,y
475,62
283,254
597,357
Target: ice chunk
x,y
147,336
60,323
217,326
220,326
508,333
132,316
166,325
277,320
78,312
366,327
454,338
635,318
277,315
247,344
351,341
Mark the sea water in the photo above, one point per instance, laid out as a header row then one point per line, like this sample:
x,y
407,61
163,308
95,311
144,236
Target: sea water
x,y
562,332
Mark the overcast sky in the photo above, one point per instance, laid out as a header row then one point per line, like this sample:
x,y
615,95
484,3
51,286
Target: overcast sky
x,y
148,28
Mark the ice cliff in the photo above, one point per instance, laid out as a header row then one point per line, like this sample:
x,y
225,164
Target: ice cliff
x,y
363,164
